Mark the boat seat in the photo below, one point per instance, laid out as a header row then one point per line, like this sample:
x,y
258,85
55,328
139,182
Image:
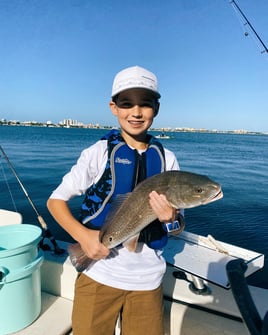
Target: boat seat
x,y
54,319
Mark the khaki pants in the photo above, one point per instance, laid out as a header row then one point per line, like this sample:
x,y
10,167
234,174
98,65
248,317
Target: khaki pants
x,y
97,307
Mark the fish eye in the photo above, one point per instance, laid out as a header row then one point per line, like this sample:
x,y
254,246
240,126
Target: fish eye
x,y
110,239
199,190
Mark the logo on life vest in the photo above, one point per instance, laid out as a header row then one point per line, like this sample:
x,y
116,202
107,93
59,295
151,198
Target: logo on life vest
x,y
124,161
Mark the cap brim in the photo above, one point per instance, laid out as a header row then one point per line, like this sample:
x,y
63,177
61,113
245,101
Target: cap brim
x,y
156,94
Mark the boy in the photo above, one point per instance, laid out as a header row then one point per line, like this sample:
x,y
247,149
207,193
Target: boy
x,y
120,282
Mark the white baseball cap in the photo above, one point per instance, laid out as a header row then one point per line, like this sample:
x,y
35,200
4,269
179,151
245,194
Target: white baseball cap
x,y
135,77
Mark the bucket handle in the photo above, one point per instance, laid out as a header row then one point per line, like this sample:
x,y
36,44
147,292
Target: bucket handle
x,y
3,273
7,276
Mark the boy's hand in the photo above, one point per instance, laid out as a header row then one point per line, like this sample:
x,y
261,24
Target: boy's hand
x,y
164,211
91,245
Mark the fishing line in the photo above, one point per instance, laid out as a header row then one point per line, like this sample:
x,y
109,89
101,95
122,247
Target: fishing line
x,y
8,187
240,14
240,19
244,26
47,233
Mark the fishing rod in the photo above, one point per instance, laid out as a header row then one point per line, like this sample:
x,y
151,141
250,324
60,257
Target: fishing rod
x,y
250,25
47,233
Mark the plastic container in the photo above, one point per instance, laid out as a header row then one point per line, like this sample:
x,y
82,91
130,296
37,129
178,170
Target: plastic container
x,y
20,279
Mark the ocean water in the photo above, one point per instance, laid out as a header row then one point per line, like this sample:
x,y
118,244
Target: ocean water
x,y
41,156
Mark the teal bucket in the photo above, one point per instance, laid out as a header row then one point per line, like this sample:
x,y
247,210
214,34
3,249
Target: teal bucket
x,y
20,281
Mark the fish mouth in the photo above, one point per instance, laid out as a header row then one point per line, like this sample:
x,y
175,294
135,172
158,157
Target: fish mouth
x,y
218,196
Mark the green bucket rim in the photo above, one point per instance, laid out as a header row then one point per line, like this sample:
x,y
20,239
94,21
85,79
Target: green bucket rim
x,y
20,228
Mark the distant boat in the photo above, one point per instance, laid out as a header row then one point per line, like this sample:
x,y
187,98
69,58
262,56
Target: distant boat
x,y
163,136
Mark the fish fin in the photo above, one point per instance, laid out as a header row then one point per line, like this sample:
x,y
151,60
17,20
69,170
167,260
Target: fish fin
x,y
115,205
78,258
173,205
131,243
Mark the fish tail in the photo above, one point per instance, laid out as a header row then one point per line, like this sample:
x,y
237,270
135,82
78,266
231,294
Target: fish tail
x,y
78,258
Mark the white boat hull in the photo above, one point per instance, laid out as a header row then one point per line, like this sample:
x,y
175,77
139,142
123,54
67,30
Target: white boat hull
x,y
186,313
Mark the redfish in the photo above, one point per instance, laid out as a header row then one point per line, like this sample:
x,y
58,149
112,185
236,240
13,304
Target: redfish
x,y
124,223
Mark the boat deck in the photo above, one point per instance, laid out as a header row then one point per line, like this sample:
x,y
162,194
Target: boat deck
x,y
186,312
54,319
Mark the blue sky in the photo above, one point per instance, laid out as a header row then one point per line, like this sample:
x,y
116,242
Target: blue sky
x,y
58,59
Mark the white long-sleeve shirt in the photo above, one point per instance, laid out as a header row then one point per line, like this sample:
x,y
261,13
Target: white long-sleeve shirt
x,y
140,270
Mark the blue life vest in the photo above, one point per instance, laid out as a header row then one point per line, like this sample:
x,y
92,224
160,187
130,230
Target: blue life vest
x,y
128,167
